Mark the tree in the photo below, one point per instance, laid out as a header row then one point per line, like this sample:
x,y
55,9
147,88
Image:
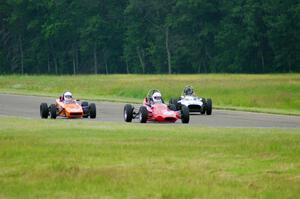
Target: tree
x,y
139,36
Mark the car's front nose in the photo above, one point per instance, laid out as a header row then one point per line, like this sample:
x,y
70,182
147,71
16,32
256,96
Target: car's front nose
x,y
168,116
74,112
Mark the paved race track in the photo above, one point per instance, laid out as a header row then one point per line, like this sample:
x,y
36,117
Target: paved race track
x,y
28,106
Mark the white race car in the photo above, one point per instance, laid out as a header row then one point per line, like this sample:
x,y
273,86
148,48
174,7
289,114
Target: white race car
x,y
194,103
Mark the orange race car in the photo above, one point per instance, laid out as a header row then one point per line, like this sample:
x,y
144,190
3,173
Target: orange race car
x,y
67,107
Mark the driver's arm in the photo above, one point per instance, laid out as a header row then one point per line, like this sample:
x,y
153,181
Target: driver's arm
x,y
150,101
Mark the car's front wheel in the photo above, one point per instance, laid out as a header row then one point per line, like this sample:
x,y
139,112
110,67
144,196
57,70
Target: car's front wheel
x,y
143,116
92,110
172,107
53,111
128,113
85,109
175,103
44,111
185,114
208,107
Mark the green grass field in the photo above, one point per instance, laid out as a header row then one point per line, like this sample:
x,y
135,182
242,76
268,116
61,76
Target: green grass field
x,y
264,93
89,159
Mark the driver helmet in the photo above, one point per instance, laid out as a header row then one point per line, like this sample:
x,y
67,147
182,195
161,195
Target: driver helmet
x,y
156,97
188,90
68,98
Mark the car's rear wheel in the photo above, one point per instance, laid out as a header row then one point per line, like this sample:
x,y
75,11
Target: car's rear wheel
x,y
53,113
185,114
208,107
92,110
143,116
128,113
44,111
203,108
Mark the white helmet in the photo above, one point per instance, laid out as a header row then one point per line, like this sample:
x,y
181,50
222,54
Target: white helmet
x,y
156,97
68,97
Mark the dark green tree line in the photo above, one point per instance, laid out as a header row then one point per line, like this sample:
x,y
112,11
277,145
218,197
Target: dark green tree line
x,y
157,36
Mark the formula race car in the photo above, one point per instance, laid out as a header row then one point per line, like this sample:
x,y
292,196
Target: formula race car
x,y
66,107
194,103
154,109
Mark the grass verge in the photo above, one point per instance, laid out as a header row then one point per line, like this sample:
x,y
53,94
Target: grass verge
x,y
89,159
259,93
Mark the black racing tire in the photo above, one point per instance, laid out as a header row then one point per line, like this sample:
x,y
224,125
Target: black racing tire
x,y
44,111
203,108
174,102
53,111
185,114
208,107
85,108
128,113
143,114
84,104
92,110
178,105
172,107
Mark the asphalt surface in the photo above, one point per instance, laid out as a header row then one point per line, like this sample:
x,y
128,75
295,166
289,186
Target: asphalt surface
x,y
28,107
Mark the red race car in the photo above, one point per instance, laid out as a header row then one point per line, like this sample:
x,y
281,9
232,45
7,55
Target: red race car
x,y
66,107
154,109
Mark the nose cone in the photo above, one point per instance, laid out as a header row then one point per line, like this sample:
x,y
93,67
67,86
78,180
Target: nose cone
x,y
162,113
74,111
169,114
73,108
